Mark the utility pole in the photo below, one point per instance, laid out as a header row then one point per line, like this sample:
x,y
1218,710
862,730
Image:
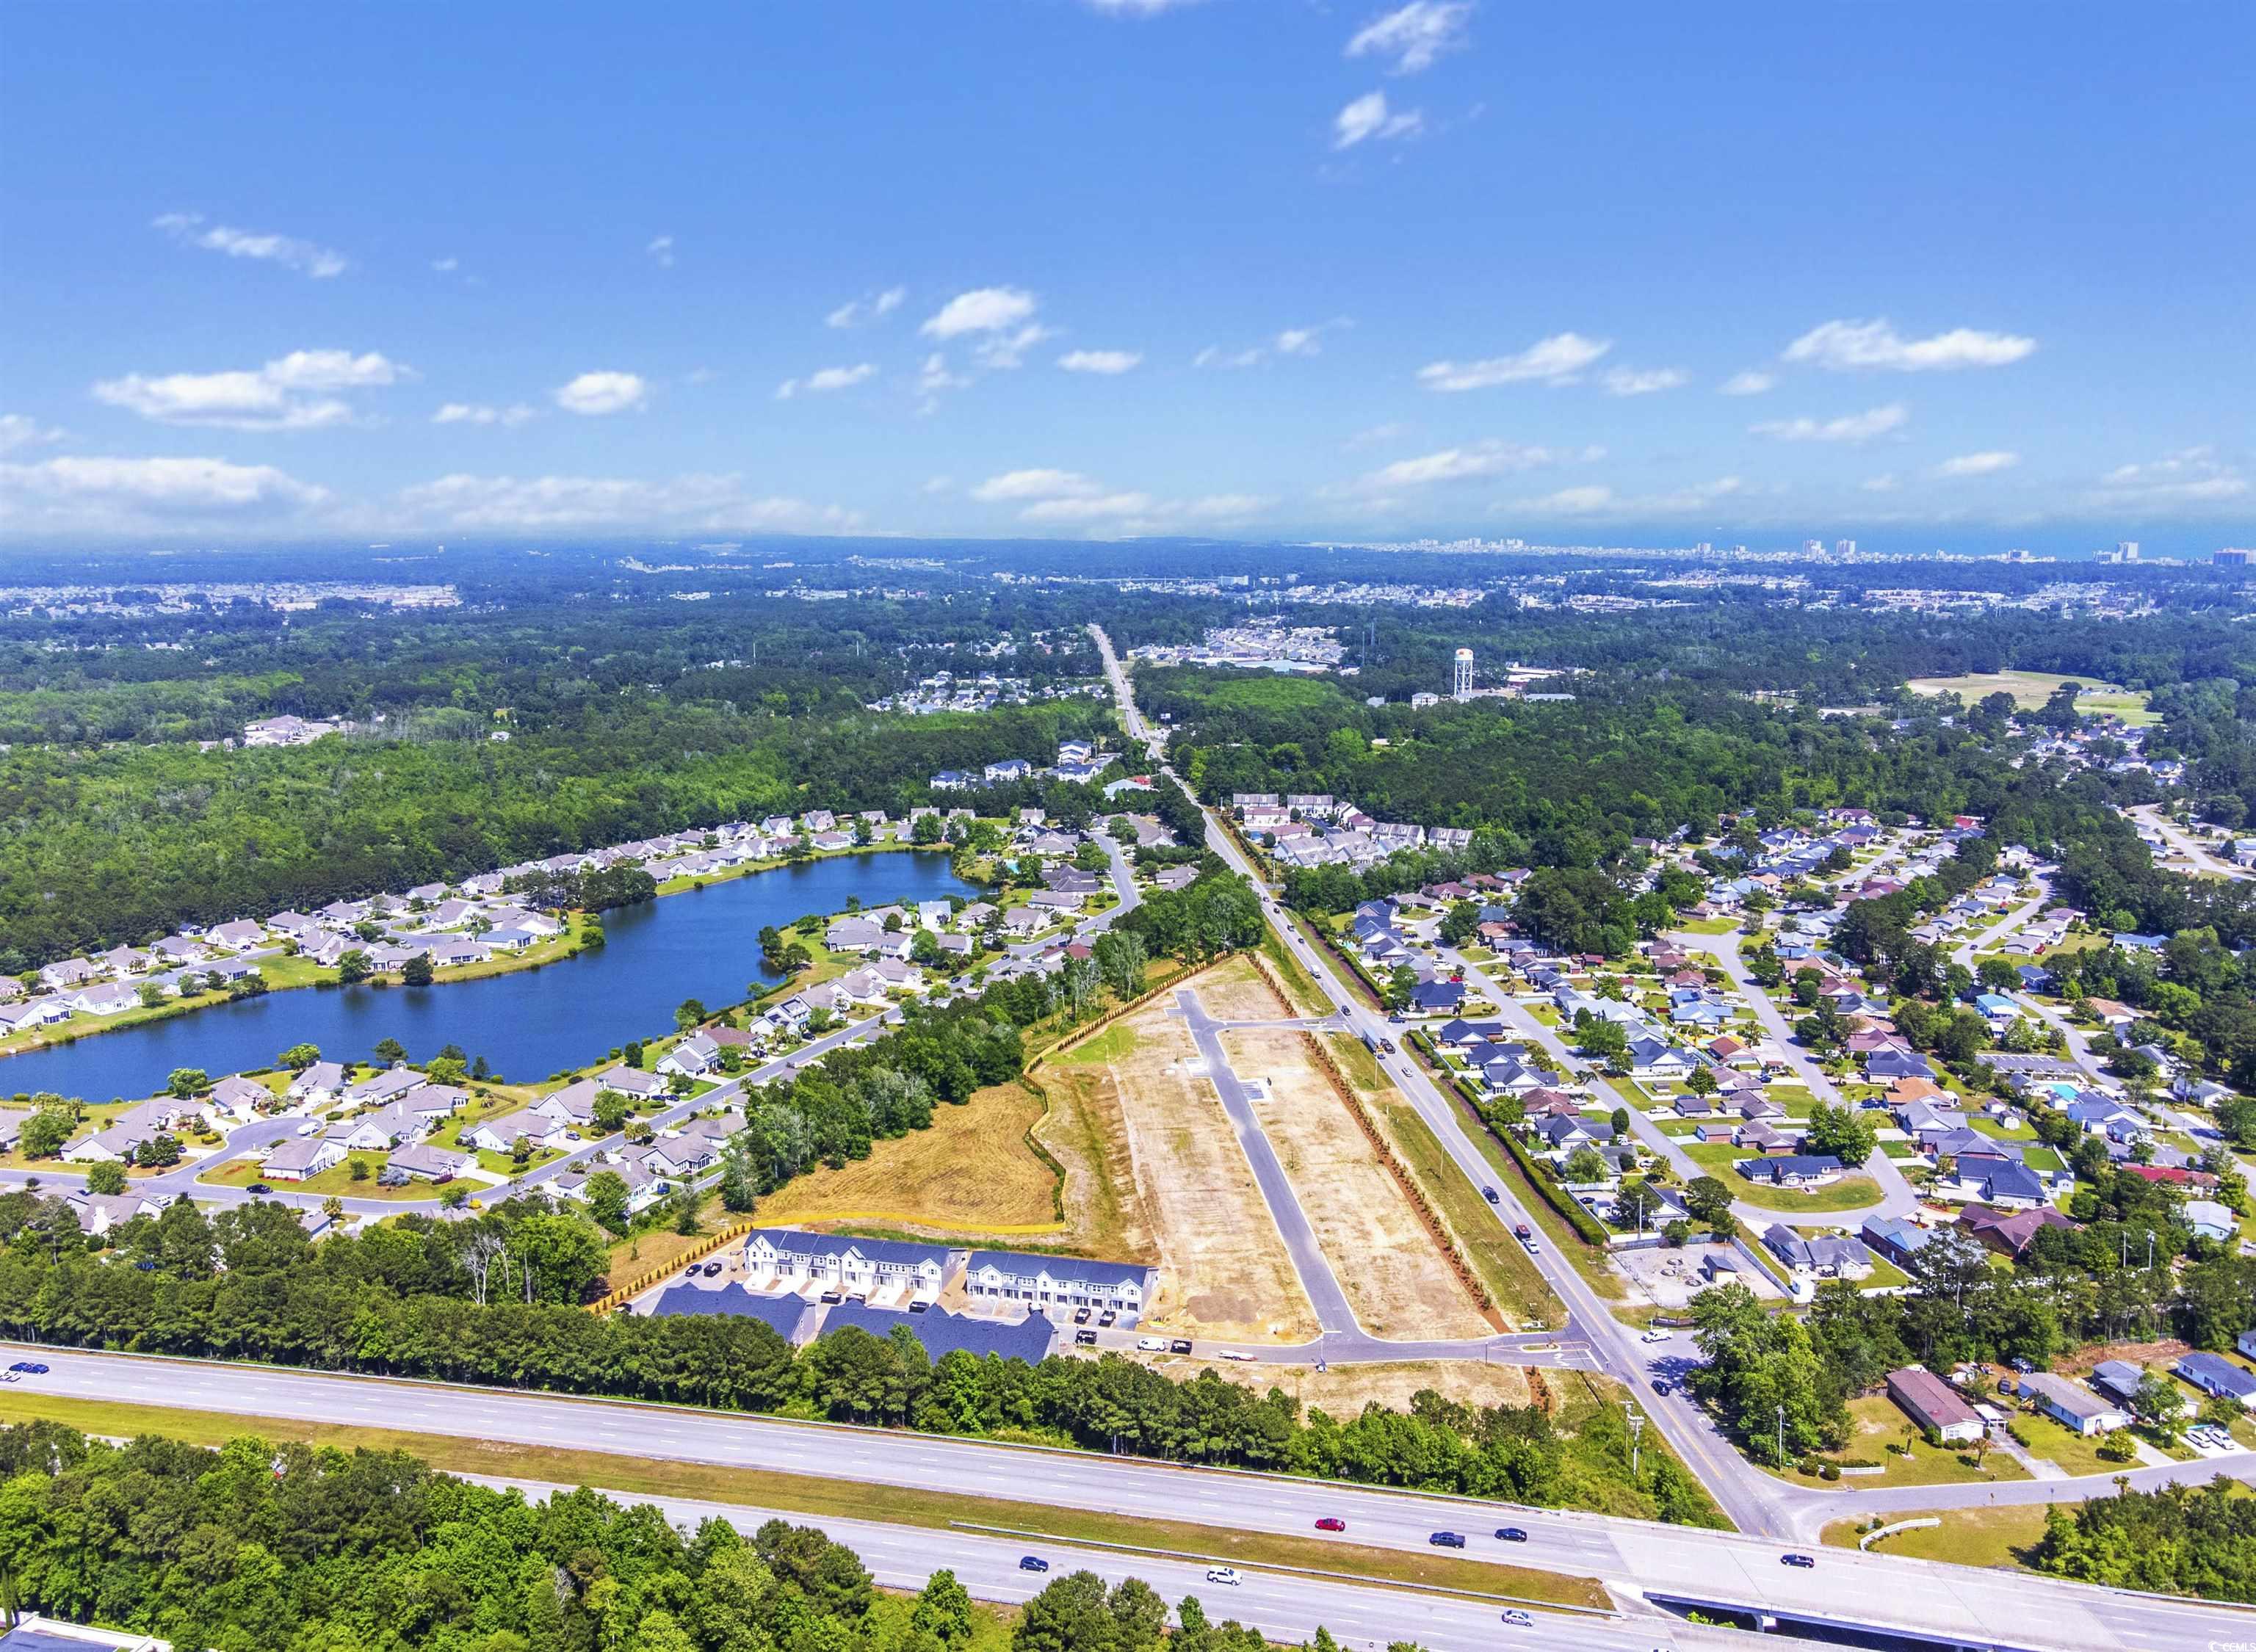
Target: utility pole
x,y
1781,1437
1636,1428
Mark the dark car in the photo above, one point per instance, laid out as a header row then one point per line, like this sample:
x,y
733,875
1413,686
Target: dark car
x,y
1181,1345
1802,1561
1511,1535
1033,1563
1331,1522
29,1368
1080,1316
1084,1339
258,1187
1663,1387
919,1306
711,1269
1489,1193
1447,1540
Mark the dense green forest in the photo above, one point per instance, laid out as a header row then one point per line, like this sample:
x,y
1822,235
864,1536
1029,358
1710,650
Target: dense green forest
x,y
258,1547
2198,1540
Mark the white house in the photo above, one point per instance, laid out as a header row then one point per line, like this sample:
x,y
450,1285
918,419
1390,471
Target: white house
x,y
999,1278
299,1158
792,1259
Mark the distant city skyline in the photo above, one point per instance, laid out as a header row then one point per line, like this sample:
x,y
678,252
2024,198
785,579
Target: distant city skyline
x,y
1115,268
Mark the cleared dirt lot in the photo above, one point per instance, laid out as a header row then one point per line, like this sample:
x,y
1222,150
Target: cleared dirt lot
x,y
1344,1390
1396,1279
1224,1272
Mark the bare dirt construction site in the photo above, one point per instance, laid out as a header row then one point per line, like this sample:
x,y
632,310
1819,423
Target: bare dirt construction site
x,y
1343,1390
1396,1279
1224,1272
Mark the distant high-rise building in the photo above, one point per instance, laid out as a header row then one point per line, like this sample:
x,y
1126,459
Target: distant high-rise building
x,y
1814,547
2127,550
2229,556
1460,681
1844,547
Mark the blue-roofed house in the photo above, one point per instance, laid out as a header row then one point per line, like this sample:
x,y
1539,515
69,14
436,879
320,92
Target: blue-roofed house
x,y
943,1332
2133,942
2035,978
1794,1169
1998,1010
787,1315
1882,1065
1895,1238
1001,1278
1437,998
2219,1377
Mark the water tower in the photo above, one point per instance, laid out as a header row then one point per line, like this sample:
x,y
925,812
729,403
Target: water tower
x,y
1461,685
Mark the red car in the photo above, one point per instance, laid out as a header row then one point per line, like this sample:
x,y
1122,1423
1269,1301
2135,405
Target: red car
x,y
1331,1522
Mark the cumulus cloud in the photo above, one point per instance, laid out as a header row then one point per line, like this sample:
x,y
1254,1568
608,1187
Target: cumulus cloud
x,y
1849,427
1596,499
1849,346
96,494
1000,352
2192,476
1884,482
1985,464
1473,460
981,310
1037,484
705,503
1557,360
190,229
1107,361
592,394
855,312
1215,355
482,413
21,430
297,391
1416,35
446,266
1747,384
1369,117
1622,381
828,379
661,251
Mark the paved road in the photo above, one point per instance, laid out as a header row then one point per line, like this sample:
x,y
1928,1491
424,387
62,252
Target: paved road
x,y
2206,862
1633,1557
1286,1607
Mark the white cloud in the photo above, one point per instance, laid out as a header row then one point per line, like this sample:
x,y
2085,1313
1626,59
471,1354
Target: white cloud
x,y
1473,460
1300,340
1415,35
603,392
933,376
828,379
1622,381
2193,475
1215,355
939,485
21,430
1090,509
291,392
1000,352
661,251
981,310
1747,384
1849,427
188,229
1575,502
481,413
1037,484
1987,464
1376,435
1884,482
1596,499
1845,346
1108,361
709,504
855,312
1368,117
1557,360
103,493
1136,8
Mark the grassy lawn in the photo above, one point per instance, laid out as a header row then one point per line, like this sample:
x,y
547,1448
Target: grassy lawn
x,y
2075,1454
1885,1274
938,1508
338,1179
2031,690
1308,995
1876,1423
1709,925
1853,1191
1966,1537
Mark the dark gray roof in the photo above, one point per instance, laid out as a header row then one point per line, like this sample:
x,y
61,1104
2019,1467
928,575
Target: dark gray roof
x,y
784,1314
943,1332
1020,1262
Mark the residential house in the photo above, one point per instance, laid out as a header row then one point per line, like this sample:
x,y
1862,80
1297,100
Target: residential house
x,y
2219,1377
1793,1170
790,1259
2073,1406
502,1135
632,1081
1936,1407
299,1158
694,1057
1896,1238
2209,1219
317,1086
2009,1233
1809,1257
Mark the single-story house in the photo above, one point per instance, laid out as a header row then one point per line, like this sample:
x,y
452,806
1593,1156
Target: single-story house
x,y
2072,1405
2219,1377
1934,1404
299,1158
1793,1170
502,1135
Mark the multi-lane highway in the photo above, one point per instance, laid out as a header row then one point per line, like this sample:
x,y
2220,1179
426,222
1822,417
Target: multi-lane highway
x,y
1643,1564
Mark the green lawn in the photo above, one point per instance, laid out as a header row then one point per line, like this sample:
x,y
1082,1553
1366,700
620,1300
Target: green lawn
x,y
338,1179
1966,1537
2073,1453
1876,1423
1853,1191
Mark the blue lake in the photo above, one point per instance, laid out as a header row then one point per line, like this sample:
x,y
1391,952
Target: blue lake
x,y
701,944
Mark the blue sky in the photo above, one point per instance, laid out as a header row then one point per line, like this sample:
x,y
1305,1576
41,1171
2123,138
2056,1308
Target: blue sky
x,y
1918,274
